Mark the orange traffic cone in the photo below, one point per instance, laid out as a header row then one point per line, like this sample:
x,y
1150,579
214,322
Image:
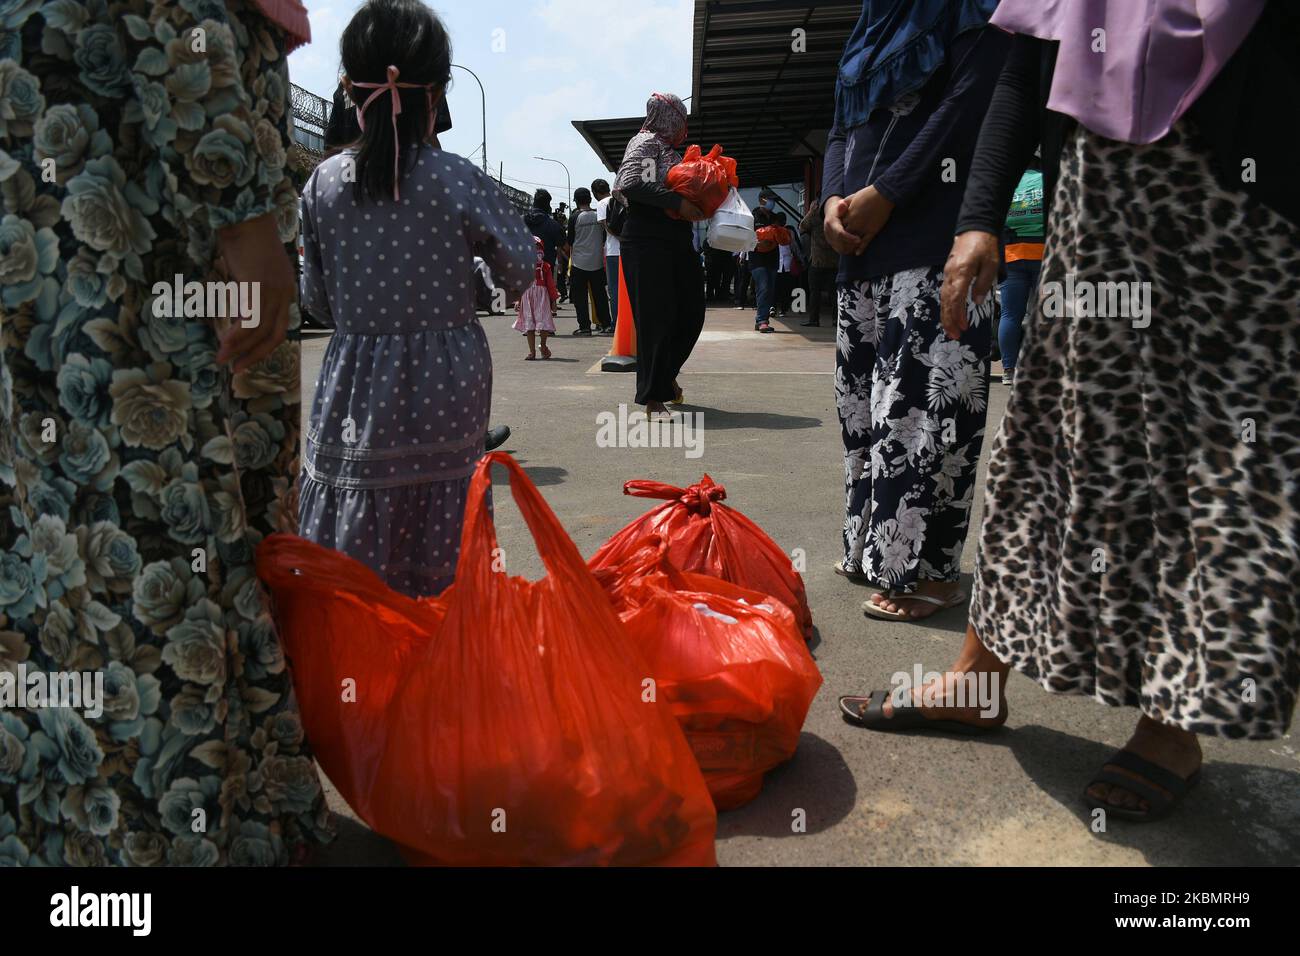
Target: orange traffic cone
x,y
622,354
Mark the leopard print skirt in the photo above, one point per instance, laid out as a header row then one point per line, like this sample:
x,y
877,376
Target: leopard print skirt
x,y
1141,534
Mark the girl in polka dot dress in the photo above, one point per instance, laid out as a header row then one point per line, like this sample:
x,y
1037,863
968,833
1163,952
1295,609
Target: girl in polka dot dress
x,y
536,307
389,226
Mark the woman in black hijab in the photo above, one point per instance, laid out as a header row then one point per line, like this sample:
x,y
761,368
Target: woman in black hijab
x,y
665,282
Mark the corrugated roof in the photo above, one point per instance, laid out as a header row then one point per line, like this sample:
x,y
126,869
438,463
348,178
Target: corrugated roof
x,y
767,102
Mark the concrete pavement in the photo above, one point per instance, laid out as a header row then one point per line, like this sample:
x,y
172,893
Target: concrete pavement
x,y
772,438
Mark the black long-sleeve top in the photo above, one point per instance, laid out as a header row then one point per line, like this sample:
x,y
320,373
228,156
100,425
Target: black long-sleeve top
x,y
647,203
919,160
1017,121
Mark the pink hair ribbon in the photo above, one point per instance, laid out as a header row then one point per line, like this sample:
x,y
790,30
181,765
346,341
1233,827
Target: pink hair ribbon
x,y
392,86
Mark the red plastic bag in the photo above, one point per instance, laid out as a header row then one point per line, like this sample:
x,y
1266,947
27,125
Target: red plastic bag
x,y
731,663
516,732
706,536
346,635
778,234
704,180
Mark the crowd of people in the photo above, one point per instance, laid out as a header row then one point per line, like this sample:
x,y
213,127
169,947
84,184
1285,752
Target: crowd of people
x,y
587,277
1136,546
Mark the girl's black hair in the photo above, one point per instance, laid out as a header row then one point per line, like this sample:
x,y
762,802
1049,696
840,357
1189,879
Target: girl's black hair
x,y
408,35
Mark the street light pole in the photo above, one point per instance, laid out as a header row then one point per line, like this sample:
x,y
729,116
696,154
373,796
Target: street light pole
x,y
482,94
567,178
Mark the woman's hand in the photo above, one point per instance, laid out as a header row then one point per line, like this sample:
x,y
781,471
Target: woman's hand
x,y
691,212
252,252
866,214
971,269
841,240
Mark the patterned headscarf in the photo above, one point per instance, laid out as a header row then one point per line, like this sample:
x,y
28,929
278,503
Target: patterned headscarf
x,y
664,129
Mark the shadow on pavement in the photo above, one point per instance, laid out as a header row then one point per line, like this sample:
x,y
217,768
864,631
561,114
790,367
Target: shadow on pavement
x,y
816,780
717,418
542,475
816,641
357,845
1240,814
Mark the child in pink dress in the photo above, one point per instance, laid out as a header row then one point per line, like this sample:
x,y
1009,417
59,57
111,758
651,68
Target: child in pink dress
x,y
535,308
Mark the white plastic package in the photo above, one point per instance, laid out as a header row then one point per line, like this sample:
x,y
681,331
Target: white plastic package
x,y
732,226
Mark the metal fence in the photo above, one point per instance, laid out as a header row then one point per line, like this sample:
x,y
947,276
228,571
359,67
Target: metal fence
x,y
518,198
310,114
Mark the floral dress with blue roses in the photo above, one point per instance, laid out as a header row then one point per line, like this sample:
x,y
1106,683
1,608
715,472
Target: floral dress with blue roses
x,y
136,476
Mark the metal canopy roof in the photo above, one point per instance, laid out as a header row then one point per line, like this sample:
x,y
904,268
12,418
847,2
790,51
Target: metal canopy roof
x,y
767,105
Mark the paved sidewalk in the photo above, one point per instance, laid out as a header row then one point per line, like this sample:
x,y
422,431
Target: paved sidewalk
x,y
772,438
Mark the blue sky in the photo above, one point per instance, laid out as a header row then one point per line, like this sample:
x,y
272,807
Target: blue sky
x,y
562,60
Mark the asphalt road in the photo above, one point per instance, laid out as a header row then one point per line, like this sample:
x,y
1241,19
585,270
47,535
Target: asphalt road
x,y
772,438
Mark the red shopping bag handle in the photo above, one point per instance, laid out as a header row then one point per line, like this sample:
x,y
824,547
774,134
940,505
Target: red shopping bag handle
x,y
698,497
479,538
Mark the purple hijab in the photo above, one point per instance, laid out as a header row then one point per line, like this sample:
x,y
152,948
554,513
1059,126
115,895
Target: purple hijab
x,y
1160,55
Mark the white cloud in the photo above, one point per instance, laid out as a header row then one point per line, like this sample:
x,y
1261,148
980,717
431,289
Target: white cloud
x,y
539,124
623,36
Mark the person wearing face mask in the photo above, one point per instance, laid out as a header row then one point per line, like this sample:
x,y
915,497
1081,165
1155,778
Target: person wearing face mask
x,y
665,281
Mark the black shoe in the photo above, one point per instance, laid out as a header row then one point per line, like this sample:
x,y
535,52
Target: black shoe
x,y
581,332
811,323
496,437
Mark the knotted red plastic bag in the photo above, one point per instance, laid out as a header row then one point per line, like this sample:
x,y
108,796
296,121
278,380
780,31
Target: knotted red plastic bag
x,y
706,180
706,536
731,663
518,732
349,639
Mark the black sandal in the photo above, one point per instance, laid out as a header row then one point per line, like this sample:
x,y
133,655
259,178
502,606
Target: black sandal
x,y
869,712
1159,804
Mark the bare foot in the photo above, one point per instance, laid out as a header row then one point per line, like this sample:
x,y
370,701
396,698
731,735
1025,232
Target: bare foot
x,y
976,673
979,676
1170,748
